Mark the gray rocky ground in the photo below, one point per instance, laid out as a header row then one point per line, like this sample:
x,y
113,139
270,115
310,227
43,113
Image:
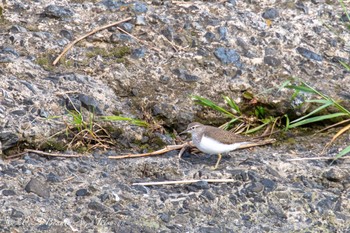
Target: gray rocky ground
x,y
177,49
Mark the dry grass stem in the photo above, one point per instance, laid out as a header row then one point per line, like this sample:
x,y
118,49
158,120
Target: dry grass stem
x,y
185,182
70,45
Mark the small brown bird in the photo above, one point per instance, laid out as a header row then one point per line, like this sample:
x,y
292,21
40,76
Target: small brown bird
x,y
212,140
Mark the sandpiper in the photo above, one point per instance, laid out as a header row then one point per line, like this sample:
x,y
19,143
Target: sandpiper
x,y
212,140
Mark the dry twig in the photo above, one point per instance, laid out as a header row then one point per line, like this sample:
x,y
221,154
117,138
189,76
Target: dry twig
x,y
158,152
316,158
52,154
185,182
70,45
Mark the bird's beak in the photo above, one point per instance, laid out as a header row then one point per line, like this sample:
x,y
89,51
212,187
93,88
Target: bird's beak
x,y
183,132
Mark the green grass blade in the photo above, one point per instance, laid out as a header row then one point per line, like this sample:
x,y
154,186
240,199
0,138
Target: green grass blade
x,y
287,122
316,118
346,66
313,112
302,88
342,153
321,101
232,104
257,128
208,103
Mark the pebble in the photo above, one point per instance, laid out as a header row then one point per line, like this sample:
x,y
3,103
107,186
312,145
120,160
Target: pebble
x,y
270,13
90,103
335,175
309,54
59,12
81,192
8,192
94,205
140,7
37,187
138,52
228,56
272,61
182,74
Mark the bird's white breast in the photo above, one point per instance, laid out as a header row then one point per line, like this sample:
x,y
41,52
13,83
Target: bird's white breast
x,y
210,146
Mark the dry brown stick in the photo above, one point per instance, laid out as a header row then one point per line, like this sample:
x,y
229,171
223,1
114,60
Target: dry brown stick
x,y
185,182
70,45
158,152
317,158
52,154
142,42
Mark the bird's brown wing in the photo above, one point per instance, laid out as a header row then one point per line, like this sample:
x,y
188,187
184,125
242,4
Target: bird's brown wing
x,y
227,137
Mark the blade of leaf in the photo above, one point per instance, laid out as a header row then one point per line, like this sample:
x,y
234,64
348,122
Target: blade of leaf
x,y
232,104
313,112
257,128
321,101
301,88
209,103
316,118
342,153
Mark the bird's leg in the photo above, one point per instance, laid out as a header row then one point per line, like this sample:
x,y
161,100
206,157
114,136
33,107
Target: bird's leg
x,y
183,149
217,162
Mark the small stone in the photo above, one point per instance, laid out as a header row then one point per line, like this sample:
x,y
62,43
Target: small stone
x,y
127,27
228,56
335,175
55,11
8,140
37,187
309,54
90,103
201,184
66,34
8,192
51,177
223,33
164,79
301,6
94,205
209,195
138,53
16,214
19,112
272,61
269,185
182,74
165,217
82,192
43,113
255,187
209,36
17,29
140,7
120,37
112,5
43,227
140,20
270,13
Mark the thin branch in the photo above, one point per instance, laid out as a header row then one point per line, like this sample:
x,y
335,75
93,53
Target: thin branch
x,y
316,158
158,152
70,45
52,154
185,182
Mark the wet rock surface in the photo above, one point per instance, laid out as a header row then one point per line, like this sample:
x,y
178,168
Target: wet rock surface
x,y
179,49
